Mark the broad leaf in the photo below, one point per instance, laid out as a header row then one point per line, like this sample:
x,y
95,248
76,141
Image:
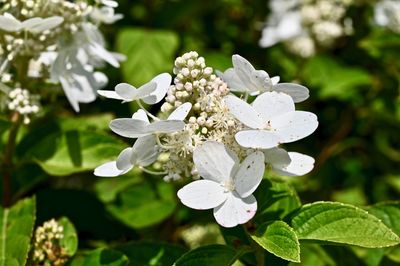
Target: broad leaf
x,y
100,257
16,228
149,52
343,224
143,205
159,254
212,255
280,239
76,151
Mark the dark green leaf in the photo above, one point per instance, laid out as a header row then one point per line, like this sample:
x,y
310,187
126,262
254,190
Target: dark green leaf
x,y
100,257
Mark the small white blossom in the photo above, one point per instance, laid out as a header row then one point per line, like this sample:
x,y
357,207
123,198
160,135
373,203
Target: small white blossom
x,y
271,119
143,153
226,187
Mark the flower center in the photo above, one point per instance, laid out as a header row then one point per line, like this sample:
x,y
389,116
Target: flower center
x,y
229,185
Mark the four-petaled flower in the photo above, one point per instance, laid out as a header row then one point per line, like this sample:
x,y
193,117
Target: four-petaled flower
x,y
272,120
227,185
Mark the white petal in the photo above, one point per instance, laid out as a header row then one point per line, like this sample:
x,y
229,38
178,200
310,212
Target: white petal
x,y
301,164
257,139
100,51
277,157
243,112
232,79
146,150
109,94
69,93
181,112
166,126
140,114
129,128
9,23
109,170
202,194
298,92
126,91
294,125
163,82
270,104
124,159
235,210
214,161
37,25
250,174
275,80
146,90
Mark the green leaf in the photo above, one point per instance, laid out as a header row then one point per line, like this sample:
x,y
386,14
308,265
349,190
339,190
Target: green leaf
x,y
92,122
143,205
154,254
343,224
149,52
335,80
100,257
76,151
278,238
70,240
16,230
212,255
107,189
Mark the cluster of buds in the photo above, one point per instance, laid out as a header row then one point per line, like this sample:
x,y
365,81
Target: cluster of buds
x,y
21,101
313,24
47,248
59,41
206,133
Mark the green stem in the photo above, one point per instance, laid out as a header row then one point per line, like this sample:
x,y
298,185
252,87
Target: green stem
x,y
8,159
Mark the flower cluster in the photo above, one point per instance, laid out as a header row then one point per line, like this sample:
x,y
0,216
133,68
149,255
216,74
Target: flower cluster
x,y
305,25
387,14
206,133
47,249
21,101
57,41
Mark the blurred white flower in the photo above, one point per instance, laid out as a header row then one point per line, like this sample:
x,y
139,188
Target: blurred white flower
x,y
105,14
227,185
34,25
387,14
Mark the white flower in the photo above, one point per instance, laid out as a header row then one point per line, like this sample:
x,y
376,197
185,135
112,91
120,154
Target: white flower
x,y
387,14
34,25
288,163
243,77
151,92
227,186
281,28
139,125
143,153
272,120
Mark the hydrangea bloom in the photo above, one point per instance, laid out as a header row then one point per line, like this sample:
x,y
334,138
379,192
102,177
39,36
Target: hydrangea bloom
x,y
60,42
305,25
203,132
387,14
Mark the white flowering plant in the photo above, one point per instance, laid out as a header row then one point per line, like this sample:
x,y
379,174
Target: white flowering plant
x,y
199,159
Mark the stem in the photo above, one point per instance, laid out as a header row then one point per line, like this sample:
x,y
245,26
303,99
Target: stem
x,y
151,172
8,156
147,112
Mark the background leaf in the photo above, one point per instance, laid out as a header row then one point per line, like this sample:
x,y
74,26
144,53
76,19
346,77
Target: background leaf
x,y
149,52
70,240
100,257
